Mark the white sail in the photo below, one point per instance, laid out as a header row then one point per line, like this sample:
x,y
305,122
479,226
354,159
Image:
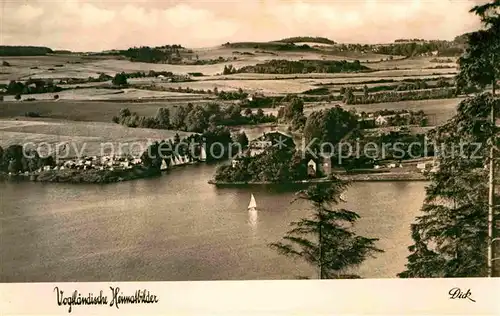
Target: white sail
x,y
253,203
172,162
163,165
203,155
177,161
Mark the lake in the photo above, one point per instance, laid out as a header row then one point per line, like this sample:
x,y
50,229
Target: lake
x,y
178,227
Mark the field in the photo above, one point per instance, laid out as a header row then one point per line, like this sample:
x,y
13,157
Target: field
x,y
438,111
72,66
83,112
87,138
110,95
268,87
95,111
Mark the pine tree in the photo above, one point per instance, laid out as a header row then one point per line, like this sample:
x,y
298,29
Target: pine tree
x,y
480,67
453,237
450,238
325,240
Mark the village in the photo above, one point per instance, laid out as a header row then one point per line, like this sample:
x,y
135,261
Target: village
x,y
323,167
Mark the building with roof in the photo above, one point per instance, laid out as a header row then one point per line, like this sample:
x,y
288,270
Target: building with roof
x,y
271,139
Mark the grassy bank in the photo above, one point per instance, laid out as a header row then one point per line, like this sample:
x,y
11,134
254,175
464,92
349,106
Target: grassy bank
x,y
366,177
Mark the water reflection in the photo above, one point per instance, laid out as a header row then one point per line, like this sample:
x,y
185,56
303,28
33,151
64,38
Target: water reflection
x,y
252,219
177,227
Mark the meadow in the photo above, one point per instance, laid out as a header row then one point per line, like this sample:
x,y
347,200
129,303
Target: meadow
x,y
90,111
83,138
438,111
74,66
99,94
83,113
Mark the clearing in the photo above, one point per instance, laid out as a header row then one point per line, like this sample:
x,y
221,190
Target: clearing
x,y
88,138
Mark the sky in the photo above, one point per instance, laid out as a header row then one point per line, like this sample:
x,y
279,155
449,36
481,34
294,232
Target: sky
x,y
87,25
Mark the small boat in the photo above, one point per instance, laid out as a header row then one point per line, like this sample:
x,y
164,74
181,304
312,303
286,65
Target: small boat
x,y
252,206
203,156
163,165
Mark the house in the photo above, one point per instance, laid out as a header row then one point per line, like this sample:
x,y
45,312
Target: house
x,y
422,166
326,166
381,120
311,168
272,139
237,159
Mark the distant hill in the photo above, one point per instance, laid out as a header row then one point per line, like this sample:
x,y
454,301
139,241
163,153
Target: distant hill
x,y
24,50
272,46
405,40
307,39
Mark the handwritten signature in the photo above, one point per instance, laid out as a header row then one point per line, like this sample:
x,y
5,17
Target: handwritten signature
x,y
457,293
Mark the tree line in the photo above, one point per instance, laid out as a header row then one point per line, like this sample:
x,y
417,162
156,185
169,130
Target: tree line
x,y
31,86
440,93
307,39
24,50
303,66
193,118
274,165
273,46
407,49
191,146
165,54
16,159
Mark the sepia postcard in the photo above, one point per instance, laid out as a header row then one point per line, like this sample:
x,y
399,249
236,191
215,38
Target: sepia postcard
x,y
267,157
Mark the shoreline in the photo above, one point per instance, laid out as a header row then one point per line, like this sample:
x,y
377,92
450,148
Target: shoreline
x,y
365,177
93,176
75,176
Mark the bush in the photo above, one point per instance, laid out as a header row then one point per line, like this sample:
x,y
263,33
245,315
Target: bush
x,y
17,97
5,63
32,114
56,96
120,79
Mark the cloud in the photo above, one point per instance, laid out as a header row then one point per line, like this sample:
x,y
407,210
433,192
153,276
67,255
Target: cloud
x,y
92,25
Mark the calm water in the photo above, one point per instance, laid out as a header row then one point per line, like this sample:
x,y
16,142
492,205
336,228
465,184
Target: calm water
x,y
177,227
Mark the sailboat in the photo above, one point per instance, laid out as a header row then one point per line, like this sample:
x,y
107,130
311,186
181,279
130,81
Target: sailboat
x,y
163,165
252,206
203,155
